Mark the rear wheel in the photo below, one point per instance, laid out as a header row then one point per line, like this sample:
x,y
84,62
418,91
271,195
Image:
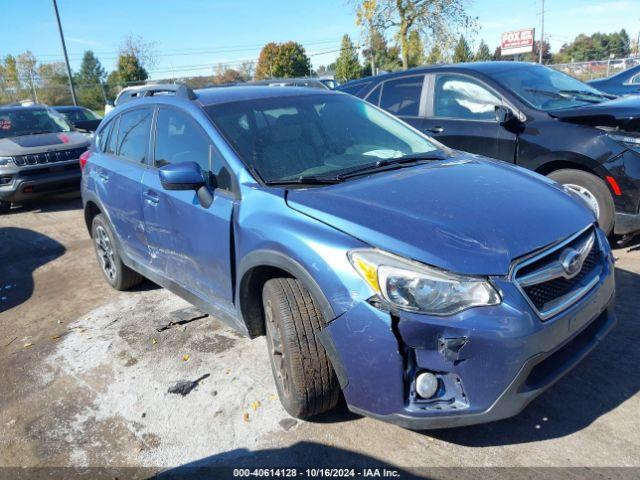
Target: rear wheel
x,y
117,273
306,382
593,190
4,206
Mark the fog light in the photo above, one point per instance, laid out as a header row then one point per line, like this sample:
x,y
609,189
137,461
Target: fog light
x,y
426,384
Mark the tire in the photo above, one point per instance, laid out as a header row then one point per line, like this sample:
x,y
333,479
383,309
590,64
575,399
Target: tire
x,y
117,274
4,207
306,383
593,189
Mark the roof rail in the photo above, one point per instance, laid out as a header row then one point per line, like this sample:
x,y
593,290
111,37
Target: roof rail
x,y
177,89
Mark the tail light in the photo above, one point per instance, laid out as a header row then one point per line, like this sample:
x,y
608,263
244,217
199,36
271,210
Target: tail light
x,y
84,158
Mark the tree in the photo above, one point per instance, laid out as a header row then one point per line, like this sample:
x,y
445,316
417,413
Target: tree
x,y
89,81
130,70
134,56
247,69
535,55
435,55
11,81
224,74
267,60
598,46
281,60
434,17
497,54
369,18
347,64
54,84
462,52
483,54
415,50
385,58
27,75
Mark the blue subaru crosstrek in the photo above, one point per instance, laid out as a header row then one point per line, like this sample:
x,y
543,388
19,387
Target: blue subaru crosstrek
x,y
432,288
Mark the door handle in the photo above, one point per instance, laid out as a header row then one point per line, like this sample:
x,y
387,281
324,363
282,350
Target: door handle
x,y
435,129
151,197
103,176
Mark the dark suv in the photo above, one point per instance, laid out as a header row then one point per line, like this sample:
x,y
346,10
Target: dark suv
x,y
433,288
39,154
530,115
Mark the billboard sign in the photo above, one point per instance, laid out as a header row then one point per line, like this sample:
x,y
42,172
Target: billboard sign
x,y
519,41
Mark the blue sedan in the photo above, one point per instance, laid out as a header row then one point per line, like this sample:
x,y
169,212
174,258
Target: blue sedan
x,y
626,82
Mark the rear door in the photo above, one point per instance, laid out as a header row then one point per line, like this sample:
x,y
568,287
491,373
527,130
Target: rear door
x,y
460,112
119,176
189,244
404,97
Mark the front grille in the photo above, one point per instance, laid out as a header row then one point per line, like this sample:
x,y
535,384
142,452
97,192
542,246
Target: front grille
x,y
544,293
547,284
42,158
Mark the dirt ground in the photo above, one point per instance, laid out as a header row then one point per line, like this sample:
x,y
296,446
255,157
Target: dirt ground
x,y
84,374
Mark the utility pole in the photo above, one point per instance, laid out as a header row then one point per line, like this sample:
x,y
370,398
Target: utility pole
x,y
66,57
541,48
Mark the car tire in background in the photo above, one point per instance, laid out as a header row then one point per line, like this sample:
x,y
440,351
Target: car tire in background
x,y
306,382
117,274
4,207
593,190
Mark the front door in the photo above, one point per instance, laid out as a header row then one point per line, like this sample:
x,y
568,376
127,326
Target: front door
x,y
462,116
188,243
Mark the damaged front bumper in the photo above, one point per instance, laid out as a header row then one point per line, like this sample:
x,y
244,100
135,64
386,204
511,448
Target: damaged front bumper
x,y
490,362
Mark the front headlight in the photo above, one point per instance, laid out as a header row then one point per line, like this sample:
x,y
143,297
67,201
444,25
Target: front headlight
x,y
629,141
5,161
413,286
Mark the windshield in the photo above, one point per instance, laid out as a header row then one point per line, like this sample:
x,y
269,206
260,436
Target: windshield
x,y
30,121
313,135
79,115
547,89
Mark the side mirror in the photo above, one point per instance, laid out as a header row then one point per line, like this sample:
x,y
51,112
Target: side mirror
x,y
505,116
181,176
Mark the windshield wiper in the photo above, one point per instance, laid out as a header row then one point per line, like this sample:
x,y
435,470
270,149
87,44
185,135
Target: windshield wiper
x,y
390,163
310,180
585,93
39,132
549,93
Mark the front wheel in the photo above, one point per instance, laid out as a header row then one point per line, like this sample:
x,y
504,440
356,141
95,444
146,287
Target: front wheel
x,y
306,382
593,190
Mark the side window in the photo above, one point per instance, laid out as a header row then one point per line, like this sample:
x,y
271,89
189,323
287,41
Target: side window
x,y
457,96
402,95
113,138
133,134
103,135
179,138
374,97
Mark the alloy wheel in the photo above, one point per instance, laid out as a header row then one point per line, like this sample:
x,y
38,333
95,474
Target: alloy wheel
x,y
105,252
276,350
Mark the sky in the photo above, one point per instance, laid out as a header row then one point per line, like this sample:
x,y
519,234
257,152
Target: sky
x,y
190,37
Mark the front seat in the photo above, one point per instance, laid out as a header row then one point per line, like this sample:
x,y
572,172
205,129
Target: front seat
x,y
288,154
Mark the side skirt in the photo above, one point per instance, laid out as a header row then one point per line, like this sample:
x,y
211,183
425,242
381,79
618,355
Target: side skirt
x,y
227,315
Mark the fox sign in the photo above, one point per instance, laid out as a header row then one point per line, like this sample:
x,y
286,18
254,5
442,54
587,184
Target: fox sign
x,y
519,41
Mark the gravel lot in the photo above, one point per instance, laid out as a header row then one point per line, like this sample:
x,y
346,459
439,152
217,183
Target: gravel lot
x,y
84,375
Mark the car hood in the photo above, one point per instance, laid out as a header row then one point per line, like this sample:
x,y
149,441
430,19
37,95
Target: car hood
x,y
622,112
466,215
42,142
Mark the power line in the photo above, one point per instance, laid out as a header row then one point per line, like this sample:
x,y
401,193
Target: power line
x,y
113,54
